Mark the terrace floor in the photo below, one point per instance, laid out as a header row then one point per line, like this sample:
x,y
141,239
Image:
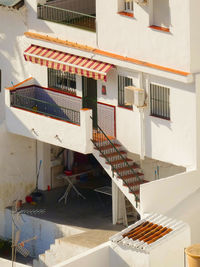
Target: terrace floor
x,y
95,212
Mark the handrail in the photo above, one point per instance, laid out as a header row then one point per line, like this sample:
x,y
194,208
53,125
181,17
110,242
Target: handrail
x,y
66,17
68,112
63,9
122,157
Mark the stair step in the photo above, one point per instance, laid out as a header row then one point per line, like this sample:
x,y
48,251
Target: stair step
x,y
135,184
128,176
127,168
114,154
115,162
131,219
129,211
106,147
135,192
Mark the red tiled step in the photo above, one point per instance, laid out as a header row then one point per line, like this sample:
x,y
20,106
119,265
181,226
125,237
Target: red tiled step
x,y
115,162
127,168
135,192
128,176
106,147
135,183
113,154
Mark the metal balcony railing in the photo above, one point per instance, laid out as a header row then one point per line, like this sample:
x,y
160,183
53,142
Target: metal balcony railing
x,y
67,17
45,108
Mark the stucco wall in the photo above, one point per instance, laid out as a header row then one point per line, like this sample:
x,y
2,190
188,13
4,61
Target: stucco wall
x,y
7,263
17,154
58,30
132,37
162,195
178,132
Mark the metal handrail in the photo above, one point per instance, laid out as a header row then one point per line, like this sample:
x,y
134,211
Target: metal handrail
x,y
63,9
74,113
69,16
122,157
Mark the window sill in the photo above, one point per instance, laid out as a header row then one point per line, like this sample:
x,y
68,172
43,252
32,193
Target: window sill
x,y
158,28
160,117
128,108
126,14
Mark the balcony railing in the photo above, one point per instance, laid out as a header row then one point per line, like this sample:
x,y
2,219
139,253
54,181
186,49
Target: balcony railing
x,y
50,108
67,17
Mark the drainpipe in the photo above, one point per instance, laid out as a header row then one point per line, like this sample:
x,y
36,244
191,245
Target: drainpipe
x,y
142,133
142,122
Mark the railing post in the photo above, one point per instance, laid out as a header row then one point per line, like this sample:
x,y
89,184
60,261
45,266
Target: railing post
x,y
8,98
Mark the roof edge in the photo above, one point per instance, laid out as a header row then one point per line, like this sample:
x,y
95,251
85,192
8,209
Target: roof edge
x,y
106,54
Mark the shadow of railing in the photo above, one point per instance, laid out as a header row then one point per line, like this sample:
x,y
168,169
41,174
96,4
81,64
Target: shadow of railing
x,y
43,101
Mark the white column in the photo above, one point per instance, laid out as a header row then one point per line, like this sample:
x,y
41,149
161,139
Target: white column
x,y
142,134
86,129
43,153
114,203
142,121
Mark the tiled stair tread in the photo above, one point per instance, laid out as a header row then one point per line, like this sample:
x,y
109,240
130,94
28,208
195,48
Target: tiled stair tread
x,y
129,176
99,137
115,162
113,154
106,147
127,167
135,183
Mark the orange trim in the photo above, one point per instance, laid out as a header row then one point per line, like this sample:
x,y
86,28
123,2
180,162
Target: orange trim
x,y
159,28
15,86
85,109
103,53
127,14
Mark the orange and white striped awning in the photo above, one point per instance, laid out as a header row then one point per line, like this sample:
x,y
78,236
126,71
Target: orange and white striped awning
x,y
67,62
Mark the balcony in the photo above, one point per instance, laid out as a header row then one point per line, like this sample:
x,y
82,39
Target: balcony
x,y
49,116
77,13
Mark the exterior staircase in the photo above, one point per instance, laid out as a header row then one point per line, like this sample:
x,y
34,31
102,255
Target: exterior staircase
x,y
126,173
130,214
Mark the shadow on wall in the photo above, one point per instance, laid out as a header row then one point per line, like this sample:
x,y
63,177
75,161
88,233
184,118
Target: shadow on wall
x,y
116,260
161,13
12,45
148,126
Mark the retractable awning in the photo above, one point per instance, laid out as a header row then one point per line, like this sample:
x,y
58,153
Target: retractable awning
x,y
67,62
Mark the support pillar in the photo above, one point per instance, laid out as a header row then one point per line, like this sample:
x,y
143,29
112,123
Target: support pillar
x,y
43,152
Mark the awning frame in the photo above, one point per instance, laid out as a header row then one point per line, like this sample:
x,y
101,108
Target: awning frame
x,y
66,64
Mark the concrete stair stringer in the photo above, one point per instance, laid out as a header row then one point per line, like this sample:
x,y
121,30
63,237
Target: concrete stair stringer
x,y
117,181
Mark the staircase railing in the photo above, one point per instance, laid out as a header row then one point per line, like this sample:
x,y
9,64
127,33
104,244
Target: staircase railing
x,y
99,136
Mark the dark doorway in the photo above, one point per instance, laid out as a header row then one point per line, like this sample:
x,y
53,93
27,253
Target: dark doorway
x,y
90,97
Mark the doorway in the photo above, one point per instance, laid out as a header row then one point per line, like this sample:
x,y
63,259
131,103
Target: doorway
x,y
89,86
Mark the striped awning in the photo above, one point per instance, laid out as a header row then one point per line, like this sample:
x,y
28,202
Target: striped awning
x,y
67,62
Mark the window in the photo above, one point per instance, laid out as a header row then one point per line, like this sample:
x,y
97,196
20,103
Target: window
x,y
122,82
159,101
128,6
64,81
161,14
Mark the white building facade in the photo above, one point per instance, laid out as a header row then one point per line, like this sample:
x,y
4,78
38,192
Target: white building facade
x,y
153,46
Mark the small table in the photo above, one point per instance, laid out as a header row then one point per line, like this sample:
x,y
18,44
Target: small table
x,y
107,190
71,179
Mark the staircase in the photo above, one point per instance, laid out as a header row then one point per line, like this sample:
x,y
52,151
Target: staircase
x,y
130,214
125,172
